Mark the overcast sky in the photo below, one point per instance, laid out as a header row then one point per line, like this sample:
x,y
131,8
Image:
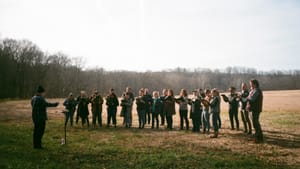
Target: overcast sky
x,y
159,34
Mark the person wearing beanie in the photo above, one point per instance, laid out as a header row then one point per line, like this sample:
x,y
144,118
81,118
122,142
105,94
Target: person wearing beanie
x,y
39,116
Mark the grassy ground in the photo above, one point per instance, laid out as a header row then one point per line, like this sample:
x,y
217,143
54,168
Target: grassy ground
x,y
135,148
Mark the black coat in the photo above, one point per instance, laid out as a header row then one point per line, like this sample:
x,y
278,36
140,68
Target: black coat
x,y
39,108
82,109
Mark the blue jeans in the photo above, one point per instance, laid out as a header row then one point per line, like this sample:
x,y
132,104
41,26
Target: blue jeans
x,y
69,115
215,119
205,120
142,118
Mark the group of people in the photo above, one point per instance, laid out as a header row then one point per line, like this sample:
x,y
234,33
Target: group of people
x,y
157,108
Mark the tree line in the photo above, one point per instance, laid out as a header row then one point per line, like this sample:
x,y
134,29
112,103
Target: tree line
x,y
24,66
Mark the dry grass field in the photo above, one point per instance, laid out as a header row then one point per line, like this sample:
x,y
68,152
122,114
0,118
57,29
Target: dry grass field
x,y
280,122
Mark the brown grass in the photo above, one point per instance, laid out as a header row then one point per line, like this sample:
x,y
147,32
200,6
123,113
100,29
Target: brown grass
x,y
280,122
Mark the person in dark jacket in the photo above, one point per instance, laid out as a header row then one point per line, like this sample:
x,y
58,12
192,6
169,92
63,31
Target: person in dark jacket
x,y
215,103
126,104
156,108
196,111
123,110
82,109
255,103
148,105
244,112
141,102
233,101
70,105
39,116
163,112
97,102
112,103
183,101
170,108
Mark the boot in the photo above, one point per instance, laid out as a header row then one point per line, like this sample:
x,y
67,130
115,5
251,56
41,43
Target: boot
x,y
215,135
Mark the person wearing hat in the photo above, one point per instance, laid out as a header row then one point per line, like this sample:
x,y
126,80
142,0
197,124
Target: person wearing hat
x,y
96,101
112,103
70,105
233,102
39,116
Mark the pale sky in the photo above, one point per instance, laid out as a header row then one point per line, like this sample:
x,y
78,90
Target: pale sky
x,y
160,34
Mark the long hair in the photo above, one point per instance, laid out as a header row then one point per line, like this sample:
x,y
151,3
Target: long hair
x,y
255,82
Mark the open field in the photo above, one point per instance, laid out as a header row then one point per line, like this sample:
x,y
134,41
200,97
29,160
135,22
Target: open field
x,y
135,148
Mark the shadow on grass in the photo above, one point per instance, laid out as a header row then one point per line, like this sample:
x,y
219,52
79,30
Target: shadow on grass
x,y
277,138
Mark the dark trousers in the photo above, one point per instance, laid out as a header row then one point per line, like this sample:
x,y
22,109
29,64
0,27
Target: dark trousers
x,y
246,121
219,121
69,115
256,125
85,118
77,118
38,132
111,115
215,119
196,123
162,117
147,115
97,115
233,115
142,120
184,117
169,122
155,118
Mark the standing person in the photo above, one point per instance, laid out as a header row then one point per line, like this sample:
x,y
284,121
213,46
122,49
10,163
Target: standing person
x,y
127,105
163,112
112,103
148,105
201,95
131,96
205,112
123,107
82,110
141,102
196,111
170,108
233,108
156,109
215,103
244,112
96,101
255,103
183,101
39,116
70,104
